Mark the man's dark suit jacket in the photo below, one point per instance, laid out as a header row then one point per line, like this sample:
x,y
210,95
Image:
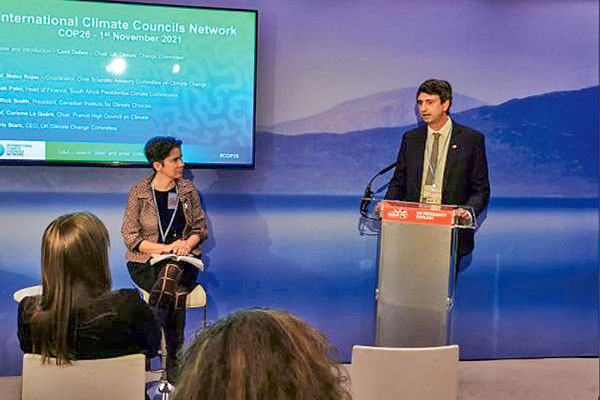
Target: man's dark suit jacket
x,y
466,180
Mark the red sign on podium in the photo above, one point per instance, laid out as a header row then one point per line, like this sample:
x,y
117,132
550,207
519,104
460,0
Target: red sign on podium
x,y
417,213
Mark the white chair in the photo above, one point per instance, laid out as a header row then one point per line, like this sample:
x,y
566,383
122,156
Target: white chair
x,y
109,378
195,299
28,291
422,373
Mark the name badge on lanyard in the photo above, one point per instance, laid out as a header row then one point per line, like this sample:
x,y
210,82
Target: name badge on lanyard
x,y
432,195
172,200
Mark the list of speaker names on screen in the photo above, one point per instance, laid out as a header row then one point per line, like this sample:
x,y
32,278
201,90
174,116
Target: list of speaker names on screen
x,y
80,102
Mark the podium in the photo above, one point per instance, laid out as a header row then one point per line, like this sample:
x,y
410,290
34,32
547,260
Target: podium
x,y
417,263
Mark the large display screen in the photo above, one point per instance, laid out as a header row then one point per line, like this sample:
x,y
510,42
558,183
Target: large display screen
x,y
91,82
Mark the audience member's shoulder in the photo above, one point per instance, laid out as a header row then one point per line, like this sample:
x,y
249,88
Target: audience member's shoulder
x,y
28,305
122,296
111,301
130,295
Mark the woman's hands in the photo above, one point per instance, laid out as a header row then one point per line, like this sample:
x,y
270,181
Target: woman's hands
x,y
183,247
179,247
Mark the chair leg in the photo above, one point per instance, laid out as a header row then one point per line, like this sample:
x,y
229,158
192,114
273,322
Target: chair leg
x,y
164,387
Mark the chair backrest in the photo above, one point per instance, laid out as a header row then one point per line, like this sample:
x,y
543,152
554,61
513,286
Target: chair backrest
x,y
28,291
109,378
422,373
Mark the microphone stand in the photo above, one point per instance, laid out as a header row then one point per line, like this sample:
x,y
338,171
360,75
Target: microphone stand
x,y
368,193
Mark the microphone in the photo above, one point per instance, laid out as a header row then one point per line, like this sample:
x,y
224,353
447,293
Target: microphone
x,y
366,200
383,171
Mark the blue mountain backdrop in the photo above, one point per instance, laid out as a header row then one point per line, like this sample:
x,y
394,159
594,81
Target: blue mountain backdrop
x,y
386,109
539,146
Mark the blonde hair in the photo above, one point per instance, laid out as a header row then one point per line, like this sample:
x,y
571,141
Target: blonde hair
x,y
74,268
261,354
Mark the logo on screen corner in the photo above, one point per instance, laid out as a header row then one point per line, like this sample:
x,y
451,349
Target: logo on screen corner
x,y
2,150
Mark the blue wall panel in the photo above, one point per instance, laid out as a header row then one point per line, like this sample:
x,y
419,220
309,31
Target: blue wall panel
x,y
330,114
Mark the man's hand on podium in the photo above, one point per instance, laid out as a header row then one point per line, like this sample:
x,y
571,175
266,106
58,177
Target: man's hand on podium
x,y
463,216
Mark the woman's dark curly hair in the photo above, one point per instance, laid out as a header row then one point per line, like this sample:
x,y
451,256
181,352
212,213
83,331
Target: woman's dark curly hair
x,y
261,354
159,147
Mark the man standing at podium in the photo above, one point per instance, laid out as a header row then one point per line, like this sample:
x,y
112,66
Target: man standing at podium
x,y
442,162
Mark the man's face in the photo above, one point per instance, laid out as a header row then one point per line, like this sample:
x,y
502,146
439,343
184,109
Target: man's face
x,y
172,165
432,110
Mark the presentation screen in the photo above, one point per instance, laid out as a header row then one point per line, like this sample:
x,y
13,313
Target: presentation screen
x,y
91,82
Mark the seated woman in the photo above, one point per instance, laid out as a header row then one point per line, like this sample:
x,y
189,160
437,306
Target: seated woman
x,y
78,316
164,215
261,354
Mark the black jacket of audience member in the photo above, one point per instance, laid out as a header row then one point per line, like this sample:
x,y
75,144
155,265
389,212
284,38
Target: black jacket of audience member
x,y
114,324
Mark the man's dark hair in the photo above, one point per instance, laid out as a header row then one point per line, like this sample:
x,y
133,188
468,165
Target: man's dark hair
x,y
158,148
439,87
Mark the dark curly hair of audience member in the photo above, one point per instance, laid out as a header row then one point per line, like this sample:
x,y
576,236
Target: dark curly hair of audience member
x,y
261,354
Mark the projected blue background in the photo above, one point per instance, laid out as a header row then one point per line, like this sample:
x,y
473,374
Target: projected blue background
x,y
333,103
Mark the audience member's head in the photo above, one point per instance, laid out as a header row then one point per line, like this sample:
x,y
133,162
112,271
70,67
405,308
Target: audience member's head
x,y
74,268
261,354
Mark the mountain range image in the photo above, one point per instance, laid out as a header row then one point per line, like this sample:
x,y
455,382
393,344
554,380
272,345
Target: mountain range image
x,y
538,146
380,110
